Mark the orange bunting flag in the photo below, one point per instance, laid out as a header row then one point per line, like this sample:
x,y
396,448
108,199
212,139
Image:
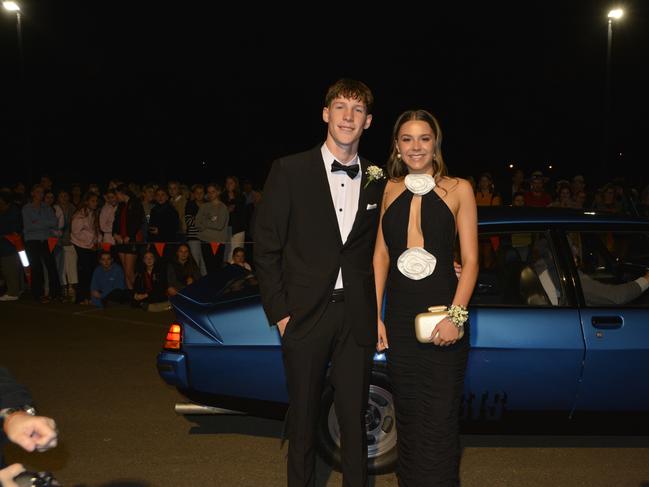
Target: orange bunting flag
x,y
215,247
51,242
16,240
160,247
105,246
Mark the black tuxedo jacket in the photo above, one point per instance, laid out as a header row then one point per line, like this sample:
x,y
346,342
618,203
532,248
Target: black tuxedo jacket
x,y
298,248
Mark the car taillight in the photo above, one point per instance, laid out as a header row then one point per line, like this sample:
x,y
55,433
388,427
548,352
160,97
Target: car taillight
x,y
174,337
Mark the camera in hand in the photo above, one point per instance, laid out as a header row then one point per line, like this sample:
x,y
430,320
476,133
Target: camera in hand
x,y
36,479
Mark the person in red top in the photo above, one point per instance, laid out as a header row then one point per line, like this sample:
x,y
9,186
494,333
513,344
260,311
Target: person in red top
x,y
150,283
537,195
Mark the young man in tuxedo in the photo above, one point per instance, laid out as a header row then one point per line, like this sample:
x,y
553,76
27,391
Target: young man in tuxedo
x,y
314,238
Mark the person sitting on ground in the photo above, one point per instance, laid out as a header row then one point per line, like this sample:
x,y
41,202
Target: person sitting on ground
x,y
20,425
108,282
181,271
150,287
239,258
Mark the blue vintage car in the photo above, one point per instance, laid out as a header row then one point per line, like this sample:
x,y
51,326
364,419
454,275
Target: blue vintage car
x,y
557,325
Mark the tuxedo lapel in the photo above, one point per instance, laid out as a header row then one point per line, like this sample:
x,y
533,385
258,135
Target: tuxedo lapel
x,y
322,193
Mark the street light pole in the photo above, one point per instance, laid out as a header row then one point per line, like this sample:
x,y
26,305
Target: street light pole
x,y
609,43
14,8
614,14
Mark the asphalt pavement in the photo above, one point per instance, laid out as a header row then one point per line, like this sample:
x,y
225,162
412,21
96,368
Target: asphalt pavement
x,y
94,371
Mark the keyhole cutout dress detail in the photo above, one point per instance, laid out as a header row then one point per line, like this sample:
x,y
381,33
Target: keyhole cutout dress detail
x,y
416,262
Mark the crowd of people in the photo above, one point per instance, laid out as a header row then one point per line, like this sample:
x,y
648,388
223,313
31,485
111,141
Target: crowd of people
x,y
141,244
537,190
124,244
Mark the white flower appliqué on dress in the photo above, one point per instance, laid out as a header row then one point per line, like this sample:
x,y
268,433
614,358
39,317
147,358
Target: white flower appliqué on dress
x,y
417,263
420,183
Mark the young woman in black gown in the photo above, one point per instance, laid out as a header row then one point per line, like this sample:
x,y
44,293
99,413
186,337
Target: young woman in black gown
x,y
423,212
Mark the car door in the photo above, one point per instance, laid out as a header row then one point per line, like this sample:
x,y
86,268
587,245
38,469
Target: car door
x,y
230,348
526,342
614,316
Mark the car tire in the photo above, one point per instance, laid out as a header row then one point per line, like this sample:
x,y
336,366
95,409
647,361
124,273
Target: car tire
x,y
381,428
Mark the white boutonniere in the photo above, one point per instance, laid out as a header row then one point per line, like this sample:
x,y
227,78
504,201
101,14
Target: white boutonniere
x,y
374,173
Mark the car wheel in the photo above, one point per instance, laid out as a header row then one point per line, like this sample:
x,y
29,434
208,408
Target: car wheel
x,y
379,420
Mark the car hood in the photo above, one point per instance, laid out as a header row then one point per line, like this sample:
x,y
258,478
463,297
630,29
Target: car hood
x,y
228,284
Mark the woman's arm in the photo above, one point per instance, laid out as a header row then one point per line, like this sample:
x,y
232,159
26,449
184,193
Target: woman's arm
x,y
467,228
381,263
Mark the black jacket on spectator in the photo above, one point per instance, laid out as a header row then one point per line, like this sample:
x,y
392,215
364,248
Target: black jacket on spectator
x,y
165,218
238,215
134,219
155,287
177,273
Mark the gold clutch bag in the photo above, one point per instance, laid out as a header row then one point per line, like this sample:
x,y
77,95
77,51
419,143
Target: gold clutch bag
x,y
425,323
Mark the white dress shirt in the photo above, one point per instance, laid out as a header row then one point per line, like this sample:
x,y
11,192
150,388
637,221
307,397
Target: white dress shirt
x,y
344,196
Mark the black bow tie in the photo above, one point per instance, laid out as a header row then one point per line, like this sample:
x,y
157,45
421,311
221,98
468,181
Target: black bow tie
x,y
351,170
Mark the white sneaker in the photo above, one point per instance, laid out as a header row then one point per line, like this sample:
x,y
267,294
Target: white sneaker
x,y
8,297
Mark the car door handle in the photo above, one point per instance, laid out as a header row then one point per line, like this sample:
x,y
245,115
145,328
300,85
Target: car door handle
x,y
607,322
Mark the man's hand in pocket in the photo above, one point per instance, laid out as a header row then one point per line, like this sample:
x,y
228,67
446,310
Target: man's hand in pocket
x,y
281,325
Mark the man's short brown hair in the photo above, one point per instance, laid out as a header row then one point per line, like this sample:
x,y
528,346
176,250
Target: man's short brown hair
x,y
350,88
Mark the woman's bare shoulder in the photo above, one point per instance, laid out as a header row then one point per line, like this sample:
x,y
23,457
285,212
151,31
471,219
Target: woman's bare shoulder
x,y
454,184
393,187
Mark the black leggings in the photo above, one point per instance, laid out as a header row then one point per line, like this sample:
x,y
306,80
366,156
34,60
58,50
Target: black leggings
x,y
39,254
86,263
213,262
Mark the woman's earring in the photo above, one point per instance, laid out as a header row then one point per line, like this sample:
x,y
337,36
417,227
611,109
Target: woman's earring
x,y
398,155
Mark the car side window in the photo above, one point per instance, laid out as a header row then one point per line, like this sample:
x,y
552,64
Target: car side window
x,y
517,269
612,267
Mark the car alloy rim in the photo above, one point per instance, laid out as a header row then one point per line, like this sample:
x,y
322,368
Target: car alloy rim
x,y
379,421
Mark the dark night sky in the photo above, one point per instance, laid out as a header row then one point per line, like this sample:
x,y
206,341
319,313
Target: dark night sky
x,y
151,90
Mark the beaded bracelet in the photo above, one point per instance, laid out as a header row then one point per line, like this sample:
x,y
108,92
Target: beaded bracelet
x,y
458,314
